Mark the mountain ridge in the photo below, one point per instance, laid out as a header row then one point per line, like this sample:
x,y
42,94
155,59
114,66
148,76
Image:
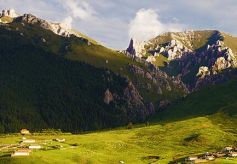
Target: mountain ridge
x,y
191,55
33,39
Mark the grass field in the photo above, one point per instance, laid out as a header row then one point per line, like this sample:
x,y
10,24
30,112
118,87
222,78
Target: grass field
x,y
142,144
204,121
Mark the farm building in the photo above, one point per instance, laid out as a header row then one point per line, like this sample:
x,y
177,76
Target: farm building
x,y
232,154
192,158
210,158
28,141
35,147
21,152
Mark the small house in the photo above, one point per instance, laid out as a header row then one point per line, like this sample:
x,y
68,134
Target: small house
x,y
210,158
232,154
25,131
21,152
192,158
35,147
28,141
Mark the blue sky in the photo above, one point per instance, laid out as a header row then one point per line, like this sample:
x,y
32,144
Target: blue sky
x,y
114,22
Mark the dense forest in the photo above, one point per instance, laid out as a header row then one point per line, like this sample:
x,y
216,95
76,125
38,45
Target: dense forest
x,y
40,89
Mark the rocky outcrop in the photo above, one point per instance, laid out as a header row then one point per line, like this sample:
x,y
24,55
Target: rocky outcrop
x,y
133,96
108,97
220,64
136,109
160,79
8,13
136,48
54,27
175,50
203,71
130,50
57,28
151,59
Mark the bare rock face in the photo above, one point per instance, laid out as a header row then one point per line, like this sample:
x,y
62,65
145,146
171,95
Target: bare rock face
x,y
130,50
54,27
133,96
203,71
136,108
8,13
140,48
136,48
160,79
151,59
220,64
108,97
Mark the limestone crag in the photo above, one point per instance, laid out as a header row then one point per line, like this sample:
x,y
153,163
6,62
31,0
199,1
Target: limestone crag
x,y
191,55
57,28
159,79
8,13
203,71
54,27
108,97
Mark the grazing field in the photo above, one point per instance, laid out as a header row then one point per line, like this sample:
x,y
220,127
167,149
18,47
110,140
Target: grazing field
x,y
157,143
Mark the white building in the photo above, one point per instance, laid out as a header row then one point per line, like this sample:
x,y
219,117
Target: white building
x,y
35,147
233,154
192,158
28,141
22,152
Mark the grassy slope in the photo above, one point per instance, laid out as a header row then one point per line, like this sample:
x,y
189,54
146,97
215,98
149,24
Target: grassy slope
x,y
192,40
210,100
95,54
230,41
205,121
6,19
168,141
39,90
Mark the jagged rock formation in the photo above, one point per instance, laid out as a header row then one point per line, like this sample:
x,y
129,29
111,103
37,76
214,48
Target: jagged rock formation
x,y
151,59
203,71
191,55
131,50
160,79
108,97
57,28
136,107
54,27
8,13
136,48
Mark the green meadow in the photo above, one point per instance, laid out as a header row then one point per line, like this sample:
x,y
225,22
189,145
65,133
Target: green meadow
x,y
155,143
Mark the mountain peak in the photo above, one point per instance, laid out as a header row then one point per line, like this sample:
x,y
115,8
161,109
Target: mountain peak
x,y
9,16
9,13
57,28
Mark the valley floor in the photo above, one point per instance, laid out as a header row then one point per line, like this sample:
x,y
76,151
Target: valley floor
x,y
159,143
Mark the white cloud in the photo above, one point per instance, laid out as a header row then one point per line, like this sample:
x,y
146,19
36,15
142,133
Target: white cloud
x,y
147,24
67,22
79,9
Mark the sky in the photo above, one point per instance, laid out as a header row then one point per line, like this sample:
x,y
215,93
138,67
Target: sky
x,y
114,22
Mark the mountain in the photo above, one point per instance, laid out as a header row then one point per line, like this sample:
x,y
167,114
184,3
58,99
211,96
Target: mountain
x,y
219,100
55,77
199,58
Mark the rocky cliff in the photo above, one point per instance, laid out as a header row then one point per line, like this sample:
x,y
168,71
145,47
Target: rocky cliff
x,y
190,55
